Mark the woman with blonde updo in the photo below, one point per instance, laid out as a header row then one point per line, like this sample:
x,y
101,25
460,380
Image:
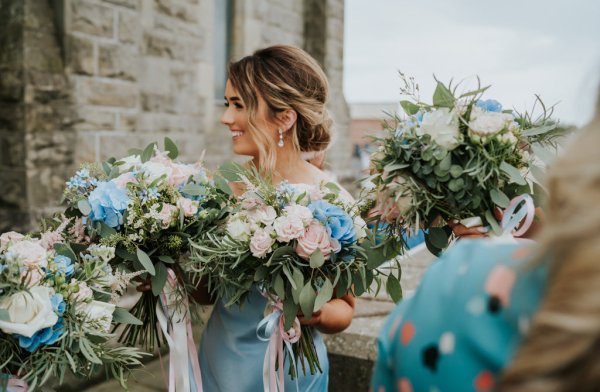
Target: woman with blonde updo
x,y
525,317
275,102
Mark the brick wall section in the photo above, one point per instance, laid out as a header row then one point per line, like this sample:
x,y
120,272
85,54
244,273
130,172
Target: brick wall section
x,y
140,71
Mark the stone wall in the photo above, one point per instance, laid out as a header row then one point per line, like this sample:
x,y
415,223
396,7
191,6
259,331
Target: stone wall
x,y
83,80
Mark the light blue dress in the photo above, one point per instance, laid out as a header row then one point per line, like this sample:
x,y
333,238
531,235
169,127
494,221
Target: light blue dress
x,y
464,323
231,355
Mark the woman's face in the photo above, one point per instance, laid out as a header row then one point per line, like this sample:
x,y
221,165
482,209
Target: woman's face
x,y
236,119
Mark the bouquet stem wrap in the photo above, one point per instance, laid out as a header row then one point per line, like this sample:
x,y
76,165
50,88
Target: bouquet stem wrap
x,y
184,368
270,329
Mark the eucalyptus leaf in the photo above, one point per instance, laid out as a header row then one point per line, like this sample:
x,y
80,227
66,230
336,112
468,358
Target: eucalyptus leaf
x,y
324,295
159,279
290,310
144,259
279,287
148,153
171,147
539,130
122,316
499,198
456,171
410,108
231,171
194,189
438,237
395,166
135,151
65,250
446,163
442,97
543,153
260,273
513,173
106,167
4,316
299,283
307,300
489,217
317,259
393,288
85,207
288,275
223,185
166,259
105,230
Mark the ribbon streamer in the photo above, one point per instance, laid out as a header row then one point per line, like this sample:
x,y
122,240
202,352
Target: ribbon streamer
x,y
177,329
271,329
16,385
513,218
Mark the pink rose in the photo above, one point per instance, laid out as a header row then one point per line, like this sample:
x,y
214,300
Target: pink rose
x,y
188,206
124,179
32,276
30,253
11,236
250,201
288,228
84,292
181,173
167,214
314,238
299,212
260,243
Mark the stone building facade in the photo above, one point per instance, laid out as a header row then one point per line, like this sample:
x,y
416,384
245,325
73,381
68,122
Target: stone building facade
x,y
83,80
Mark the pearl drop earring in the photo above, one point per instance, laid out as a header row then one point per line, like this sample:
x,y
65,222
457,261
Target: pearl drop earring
x,y
280,144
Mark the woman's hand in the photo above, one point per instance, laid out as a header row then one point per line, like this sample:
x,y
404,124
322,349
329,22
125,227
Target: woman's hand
x,y
144,285
333,317
461,231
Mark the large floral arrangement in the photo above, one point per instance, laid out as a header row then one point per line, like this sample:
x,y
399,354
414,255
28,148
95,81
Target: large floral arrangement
x,y
300,245
146,205
458,158
57,309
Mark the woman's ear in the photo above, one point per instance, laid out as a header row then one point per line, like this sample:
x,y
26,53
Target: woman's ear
x,y
287,118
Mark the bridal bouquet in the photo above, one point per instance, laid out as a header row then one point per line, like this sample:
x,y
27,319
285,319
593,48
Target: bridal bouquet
x,y
300,245
458,158
146,206
56,311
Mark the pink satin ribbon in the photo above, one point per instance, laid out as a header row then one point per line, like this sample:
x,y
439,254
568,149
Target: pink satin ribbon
x,y
277,336
17,385
523,218
192,356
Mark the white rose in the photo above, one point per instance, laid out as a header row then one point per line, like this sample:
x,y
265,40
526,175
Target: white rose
x,y
11,236
188,206
29,253
297,211
261,243
264,214
129,163
288,228
238,230
359,227
100,312
485,124
154,170
442,126
28,312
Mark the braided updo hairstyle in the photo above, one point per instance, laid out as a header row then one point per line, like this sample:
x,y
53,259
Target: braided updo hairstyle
x,y
286,77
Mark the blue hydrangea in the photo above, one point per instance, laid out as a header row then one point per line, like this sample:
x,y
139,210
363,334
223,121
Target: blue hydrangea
x,y
58,304
339,224
108,203
489,105
63,265
46,336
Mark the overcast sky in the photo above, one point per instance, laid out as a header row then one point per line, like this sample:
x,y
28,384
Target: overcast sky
x,y
520,47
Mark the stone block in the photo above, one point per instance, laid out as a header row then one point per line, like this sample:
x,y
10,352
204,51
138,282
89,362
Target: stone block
x,y
164,47
153,76
42,52
182,11
118,61
130,30
11,84
127,122
14,189
12,150
46,184
91,119
157,103
87,144
11,117
149,122
103,93
134,4
92,18
81,56
12,219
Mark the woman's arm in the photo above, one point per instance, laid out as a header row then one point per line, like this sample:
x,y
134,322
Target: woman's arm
x,y
333,317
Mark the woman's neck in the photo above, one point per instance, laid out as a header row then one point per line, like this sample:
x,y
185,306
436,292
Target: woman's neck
x,y
289,166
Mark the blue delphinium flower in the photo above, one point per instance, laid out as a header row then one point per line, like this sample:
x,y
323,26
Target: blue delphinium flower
x,y
489,105
339,224
63,265
150,194
46,336
58,304
82,179
108,203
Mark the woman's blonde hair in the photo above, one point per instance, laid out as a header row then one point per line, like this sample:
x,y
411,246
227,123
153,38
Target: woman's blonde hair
x,y
562,350
286,77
